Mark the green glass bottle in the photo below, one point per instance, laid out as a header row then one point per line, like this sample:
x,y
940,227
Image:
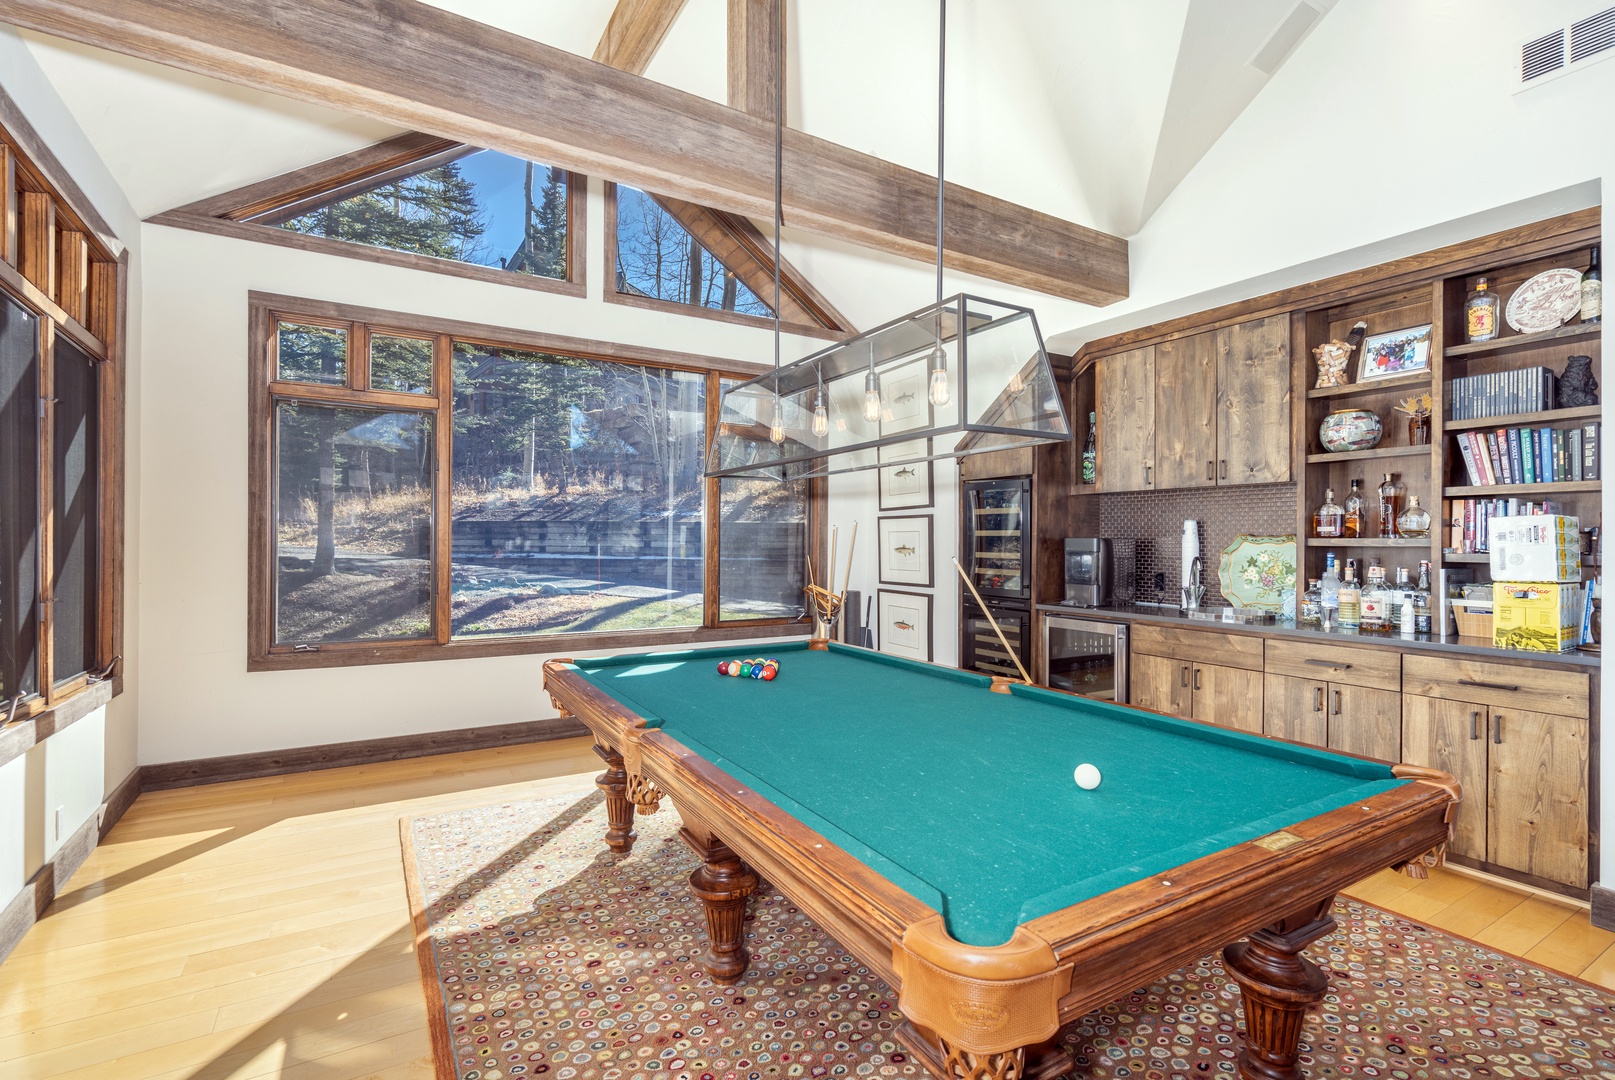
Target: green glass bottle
x,y
1090,453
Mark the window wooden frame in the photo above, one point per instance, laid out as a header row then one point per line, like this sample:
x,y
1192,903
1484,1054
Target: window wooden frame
x,y
803,299
267,310
240,213
60,260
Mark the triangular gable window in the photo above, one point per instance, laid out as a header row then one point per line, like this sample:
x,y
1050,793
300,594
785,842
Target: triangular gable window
x,y
658,258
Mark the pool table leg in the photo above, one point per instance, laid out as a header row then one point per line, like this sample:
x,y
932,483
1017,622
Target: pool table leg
x,y
620,835
722,883
1278,985
1045,1061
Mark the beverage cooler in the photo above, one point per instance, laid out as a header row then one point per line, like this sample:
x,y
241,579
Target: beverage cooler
x,y
997,544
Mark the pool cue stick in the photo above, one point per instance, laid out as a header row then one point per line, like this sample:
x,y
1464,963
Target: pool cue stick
x,y
830,580
993,622
846,578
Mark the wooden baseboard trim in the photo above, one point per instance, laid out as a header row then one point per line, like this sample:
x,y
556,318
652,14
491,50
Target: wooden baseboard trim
x,y
1515,879
28,906
217,770
120,800
1603,912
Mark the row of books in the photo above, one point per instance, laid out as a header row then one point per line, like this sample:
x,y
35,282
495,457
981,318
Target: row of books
x,y
1468,520
1523,455
1503,393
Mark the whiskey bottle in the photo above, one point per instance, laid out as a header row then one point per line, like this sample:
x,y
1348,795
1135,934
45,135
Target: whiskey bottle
x,y
1375,603
1327,519
1310,613
1351,598
1592,291
1090,453
1353,523
1482,312
1391,494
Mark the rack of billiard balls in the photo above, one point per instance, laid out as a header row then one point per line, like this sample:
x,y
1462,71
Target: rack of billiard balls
x,y
750,669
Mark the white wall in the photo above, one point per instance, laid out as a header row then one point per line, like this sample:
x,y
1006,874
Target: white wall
x,y
1392,130
198,699
74,770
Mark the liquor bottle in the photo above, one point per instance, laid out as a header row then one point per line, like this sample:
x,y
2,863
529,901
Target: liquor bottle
x,y
1414,521
1090,453
1354,510
1351,598
1310,613
1422,621
1375,603
1592,291
1482,313
1327,519
1329,593
1401,595
1391,493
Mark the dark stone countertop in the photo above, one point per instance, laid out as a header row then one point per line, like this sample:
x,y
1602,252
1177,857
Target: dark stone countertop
x,y
1451,646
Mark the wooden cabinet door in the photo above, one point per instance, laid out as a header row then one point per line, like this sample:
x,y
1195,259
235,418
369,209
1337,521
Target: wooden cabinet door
x,y
1186,411
1159,683
1229,697
1537,799
1451,736
1126,389
1365,721
1253,403
1295,708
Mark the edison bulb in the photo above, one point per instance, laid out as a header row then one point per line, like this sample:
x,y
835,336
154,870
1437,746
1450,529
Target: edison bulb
x,y
821,415
871,398
939,391
776,431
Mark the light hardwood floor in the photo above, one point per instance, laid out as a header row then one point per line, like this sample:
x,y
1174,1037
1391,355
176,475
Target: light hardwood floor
x,y
260,928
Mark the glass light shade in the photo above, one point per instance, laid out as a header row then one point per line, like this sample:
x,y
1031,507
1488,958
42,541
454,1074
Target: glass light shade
x,y
940,392
998,393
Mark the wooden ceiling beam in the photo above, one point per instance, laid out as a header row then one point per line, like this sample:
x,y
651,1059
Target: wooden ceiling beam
x,y
430,70
635,31
755,75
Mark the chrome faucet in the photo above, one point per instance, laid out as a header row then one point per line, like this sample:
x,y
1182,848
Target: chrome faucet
x,y
1193,592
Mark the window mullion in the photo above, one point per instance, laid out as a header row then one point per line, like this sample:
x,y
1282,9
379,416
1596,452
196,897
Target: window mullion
x,y
713,510
46,611
443,489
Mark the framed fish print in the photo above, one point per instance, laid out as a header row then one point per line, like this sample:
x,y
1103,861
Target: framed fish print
x,y
905,405
908,485
905,550
905,624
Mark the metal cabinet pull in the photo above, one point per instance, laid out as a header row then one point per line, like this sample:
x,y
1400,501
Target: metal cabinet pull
x,y
1147,480
1474,725
1211,470
1224,468
1317,700
1488,685
1328,664
1497,727
1183,675
1337,703
1197,678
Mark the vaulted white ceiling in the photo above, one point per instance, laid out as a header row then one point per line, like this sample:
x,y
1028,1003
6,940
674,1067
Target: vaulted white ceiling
x,y
1087,109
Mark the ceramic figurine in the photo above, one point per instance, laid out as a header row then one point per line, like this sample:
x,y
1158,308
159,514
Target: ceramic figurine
x,y
1332,359
1577,387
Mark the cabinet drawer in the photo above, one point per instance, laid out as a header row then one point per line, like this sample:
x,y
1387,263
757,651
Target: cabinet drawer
x,y
1205,646
1565,693
1380,669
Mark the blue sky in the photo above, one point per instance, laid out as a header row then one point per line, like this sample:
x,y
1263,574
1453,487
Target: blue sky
x,y
498,179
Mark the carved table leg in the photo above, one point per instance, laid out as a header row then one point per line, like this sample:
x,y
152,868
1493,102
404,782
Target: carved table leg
x,y
620,835
722,883
1277,985
1045,1061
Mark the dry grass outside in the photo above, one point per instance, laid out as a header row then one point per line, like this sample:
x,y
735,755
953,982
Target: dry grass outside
x,y
572,613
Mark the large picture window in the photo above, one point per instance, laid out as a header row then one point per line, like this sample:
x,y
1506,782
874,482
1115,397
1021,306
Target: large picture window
x,y
435,491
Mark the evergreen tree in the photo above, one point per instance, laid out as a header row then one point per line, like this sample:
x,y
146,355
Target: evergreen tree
x,y
432,213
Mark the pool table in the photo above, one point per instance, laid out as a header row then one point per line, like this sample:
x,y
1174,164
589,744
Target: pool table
x,y
930,823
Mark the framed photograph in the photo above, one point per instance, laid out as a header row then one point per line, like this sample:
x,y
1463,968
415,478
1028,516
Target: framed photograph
x,y
905,550
1396,353
905,624
906,486
905,405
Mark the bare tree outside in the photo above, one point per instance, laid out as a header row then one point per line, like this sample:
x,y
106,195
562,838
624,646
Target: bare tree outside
x,y
657,257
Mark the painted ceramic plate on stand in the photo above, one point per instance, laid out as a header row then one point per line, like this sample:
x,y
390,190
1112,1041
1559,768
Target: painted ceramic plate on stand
x,y
1257,571
1545,302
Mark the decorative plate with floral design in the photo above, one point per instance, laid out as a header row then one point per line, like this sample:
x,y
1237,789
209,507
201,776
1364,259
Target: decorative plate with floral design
x,y
1546,302
1257,571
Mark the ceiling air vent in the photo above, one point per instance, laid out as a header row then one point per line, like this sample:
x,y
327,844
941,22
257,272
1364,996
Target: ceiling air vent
x,y
1592,35
1567,50
1545,54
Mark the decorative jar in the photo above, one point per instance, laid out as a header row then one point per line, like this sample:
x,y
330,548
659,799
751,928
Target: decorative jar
x,y
1350,429
1419,430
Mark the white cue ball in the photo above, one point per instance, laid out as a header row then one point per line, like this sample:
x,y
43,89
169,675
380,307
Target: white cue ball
x,y
1087,777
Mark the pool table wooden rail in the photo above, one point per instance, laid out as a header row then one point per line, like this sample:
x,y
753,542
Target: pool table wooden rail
x,y
988,1012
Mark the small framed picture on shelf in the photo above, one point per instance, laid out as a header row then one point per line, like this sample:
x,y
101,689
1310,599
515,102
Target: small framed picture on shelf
x,y
905,550
905,624
907,484
1400,352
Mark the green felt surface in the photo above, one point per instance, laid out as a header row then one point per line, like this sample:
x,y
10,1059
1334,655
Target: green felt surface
x,y
965,798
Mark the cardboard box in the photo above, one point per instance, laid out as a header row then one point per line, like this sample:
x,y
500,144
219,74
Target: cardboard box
x,y
1535,616
1540,547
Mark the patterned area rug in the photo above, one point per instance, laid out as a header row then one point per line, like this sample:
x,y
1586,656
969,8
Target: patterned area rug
x,y
544,955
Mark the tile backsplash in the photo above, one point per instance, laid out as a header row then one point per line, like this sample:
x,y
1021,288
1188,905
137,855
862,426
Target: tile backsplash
x,y
1154,521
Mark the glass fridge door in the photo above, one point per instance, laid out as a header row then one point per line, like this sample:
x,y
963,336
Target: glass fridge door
x,y
998,521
